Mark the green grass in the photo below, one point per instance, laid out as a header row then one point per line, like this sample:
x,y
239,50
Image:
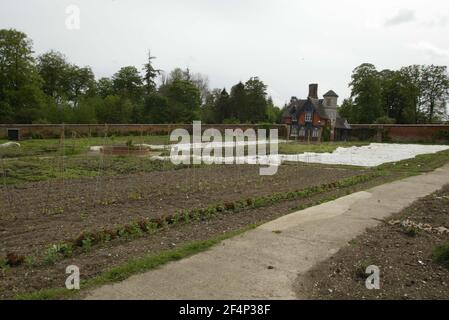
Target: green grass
x,y
419,164
134,266
29,169
301,147
73,146
40,160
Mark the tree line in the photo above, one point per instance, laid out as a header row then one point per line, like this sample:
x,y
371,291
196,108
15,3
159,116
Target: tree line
x,y
49,89
411,95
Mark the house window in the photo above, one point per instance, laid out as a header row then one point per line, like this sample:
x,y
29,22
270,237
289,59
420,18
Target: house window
x,y
315,133
302,132
308,117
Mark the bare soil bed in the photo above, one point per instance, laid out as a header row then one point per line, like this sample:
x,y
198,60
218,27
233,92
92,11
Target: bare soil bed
x,y
405,257
27,278
36,215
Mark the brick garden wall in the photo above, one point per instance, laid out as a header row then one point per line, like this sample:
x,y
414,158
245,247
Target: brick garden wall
x,y
398,132
84,130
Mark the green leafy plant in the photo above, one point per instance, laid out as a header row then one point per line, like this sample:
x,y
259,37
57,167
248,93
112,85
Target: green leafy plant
x,y
3,263
360,269
410,231
51,255
87,244
441,255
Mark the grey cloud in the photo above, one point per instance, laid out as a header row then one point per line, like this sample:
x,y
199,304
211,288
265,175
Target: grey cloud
x,y
403,16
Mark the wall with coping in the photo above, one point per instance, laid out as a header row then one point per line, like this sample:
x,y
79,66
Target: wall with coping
x,y
398,132
84,130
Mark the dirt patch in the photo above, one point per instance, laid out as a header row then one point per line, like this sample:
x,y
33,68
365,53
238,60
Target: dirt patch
x,y
103,257
36,215
403,254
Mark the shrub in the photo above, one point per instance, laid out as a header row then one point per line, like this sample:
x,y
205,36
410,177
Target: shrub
x,y
441,255
441,135
326,134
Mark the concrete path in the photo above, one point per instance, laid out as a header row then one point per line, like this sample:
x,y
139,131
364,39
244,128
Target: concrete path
x,y
262,264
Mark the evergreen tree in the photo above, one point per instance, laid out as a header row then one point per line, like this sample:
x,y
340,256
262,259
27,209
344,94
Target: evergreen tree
x,y
238,103
150,74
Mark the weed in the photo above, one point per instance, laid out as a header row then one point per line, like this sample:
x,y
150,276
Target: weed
x,y
135,196
360,269
3,263
51,255
122,233
52,212
152,227
441,255
410,231
87,244
133,230
29,261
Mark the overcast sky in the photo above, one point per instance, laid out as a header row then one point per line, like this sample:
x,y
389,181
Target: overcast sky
x,y
288,44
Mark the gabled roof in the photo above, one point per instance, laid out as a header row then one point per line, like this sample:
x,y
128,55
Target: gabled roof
x,y
330,93
319,108
297,106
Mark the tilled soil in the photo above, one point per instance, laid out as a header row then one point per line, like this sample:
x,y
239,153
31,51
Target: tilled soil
x,y
35,215
103,257
407,269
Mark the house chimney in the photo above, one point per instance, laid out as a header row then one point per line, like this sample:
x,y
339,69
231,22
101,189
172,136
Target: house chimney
x,y
313,91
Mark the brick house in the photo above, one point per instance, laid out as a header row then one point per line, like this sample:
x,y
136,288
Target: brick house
x,y
309,118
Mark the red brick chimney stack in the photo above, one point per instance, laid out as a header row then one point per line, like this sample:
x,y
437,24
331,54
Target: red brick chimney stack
x,y
313,90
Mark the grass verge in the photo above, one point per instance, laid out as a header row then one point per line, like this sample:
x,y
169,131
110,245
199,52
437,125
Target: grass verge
x,y
295,147
134,266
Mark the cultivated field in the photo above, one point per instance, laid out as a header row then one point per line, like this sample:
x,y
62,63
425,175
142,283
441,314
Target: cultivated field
x,y
113,216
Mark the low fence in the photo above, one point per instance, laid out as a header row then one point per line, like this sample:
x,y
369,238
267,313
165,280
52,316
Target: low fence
x,y
27,131
401,132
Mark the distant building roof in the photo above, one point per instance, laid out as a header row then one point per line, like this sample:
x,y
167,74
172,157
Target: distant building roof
x,y
341,123
330,93
297,106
